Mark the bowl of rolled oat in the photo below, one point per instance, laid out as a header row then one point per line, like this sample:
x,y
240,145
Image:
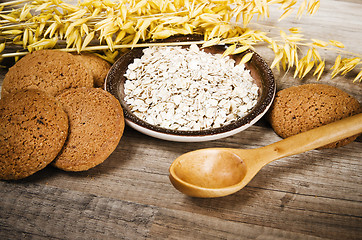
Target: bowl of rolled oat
x,y
189,93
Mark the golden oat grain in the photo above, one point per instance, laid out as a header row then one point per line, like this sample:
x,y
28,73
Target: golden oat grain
x,y
246,58
319,70
358,77
319,43
336,43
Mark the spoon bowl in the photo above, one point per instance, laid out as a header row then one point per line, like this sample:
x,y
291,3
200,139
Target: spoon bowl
x,y
206,171
217,172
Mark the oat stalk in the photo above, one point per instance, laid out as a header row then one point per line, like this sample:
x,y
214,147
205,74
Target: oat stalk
x,y
105,47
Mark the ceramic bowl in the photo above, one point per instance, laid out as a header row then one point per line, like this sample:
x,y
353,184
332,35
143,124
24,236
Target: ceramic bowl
x,y
259,70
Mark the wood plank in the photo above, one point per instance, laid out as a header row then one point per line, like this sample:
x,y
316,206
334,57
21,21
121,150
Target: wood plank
x,y
43,212
173,224
49,212
292,190
144,162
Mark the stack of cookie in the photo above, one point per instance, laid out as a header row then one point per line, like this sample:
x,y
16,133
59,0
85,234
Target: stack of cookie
x,y
53,111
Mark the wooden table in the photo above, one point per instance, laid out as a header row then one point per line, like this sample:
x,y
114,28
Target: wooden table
x,y
313,195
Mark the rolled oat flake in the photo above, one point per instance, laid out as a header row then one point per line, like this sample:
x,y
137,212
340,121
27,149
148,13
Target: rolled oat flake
x,y
188,89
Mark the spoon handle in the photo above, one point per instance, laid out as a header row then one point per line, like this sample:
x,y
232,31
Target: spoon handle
x,y
312,139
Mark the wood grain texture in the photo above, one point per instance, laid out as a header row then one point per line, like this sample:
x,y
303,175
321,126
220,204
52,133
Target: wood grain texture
x,y
314,195
54,213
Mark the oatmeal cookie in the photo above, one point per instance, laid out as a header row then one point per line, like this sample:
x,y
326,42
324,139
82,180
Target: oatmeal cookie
x,y
97,66
33,129
49,70
96,126
301,108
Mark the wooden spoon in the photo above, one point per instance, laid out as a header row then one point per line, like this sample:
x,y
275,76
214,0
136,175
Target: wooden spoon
x,y
217,172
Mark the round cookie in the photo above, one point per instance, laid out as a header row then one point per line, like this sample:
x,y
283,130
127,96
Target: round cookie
x,y
49,70
96,127
33,129
97,66
301,108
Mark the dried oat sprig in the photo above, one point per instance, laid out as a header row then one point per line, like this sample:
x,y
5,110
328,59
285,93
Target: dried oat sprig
x,y
129,21
109,26
344,65
289,53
